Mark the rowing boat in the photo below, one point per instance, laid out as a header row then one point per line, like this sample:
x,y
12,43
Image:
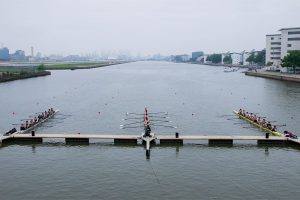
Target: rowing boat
x,y
275,133
38,123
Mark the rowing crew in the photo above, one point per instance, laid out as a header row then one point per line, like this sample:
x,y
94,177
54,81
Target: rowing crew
x,y
147,124
36,119
258,120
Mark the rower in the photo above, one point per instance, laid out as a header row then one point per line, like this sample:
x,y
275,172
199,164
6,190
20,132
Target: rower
x,y
274,128
244,113
251,116
269,125
240,111
147,130
255,119
22,127
259,120
40,117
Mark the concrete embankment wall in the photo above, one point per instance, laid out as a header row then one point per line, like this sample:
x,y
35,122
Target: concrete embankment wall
x,y
276,76
24,76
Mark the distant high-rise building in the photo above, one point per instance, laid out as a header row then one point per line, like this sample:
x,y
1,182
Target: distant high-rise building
x,y
19,55
4,54
197,54
32,52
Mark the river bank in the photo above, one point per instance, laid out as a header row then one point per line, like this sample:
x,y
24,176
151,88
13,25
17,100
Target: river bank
x,y
74,66
23,76
275,75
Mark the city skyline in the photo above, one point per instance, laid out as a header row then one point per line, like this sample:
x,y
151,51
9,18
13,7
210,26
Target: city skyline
x,y
147,27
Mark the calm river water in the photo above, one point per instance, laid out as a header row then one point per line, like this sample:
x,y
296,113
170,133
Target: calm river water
x,y
198,99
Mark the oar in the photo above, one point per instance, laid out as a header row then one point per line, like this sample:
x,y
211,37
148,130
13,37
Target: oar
x,y
226,115
160,121
131,118
241,123
165,126
248,127
128,113
125,127
232,118
159,117
15,124
25,119
64,115
156,113
280,125
131,123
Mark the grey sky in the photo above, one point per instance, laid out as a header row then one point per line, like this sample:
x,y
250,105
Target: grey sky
x,y
145,26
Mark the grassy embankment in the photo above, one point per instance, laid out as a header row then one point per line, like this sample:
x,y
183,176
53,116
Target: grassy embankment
x,y
14,73
11,74
73,66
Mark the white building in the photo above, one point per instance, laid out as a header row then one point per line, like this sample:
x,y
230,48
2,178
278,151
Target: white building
x,y
279,45
245,57
273,49
237,58
290,40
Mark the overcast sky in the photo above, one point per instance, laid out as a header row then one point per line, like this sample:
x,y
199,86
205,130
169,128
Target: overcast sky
x,y
145,26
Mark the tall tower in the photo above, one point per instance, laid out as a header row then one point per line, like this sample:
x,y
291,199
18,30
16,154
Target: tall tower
x,y
32,53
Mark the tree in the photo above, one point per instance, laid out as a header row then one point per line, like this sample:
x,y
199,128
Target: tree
x,y
227,59
257,58
251,58
41,67
215,58
292,60
260,57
